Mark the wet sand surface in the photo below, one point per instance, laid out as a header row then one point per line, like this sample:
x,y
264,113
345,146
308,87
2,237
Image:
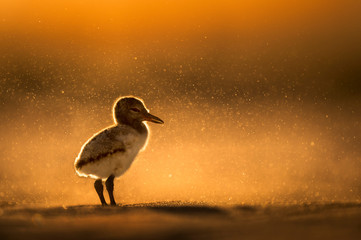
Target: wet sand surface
x,y
176,220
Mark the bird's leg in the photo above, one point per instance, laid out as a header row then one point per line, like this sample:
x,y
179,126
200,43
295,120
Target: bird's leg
x,y
98,185
109,183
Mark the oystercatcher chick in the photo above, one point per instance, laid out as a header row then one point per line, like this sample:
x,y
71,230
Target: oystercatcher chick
x,y
110,152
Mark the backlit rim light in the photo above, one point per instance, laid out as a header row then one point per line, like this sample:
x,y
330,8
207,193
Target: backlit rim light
x,y
141,150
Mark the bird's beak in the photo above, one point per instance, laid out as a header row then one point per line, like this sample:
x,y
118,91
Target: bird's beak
x,y
151,118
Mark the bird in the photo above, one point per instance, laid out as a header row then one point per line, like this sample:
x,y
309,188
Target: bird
x,y
109,153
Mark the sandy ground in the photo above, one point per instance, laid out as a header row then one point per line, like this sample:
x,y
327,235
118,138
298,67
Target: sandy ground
x,y
176,220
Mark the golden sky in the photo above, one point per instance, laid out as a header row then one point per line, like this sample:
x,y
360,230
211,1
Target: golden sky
x,y
260,98
159,16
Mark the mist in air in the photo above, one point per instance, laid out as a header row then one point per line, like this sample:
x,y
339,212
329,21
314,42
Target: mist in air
x,y
261,100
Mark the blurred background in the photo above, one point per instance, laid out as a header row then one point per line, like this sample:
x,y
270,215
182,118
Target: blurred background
x,y
261,99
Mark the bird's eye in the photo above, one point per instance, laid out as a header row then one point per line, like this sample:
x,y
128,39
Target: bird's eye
x,y
135,109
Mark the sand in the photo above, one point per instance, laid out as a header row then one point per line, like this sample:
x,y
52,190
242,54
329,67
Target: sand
x,y
177,220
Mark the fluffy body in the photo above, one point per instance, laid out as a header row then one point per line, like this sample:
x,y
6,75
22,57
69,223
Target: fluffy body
x,y
111,151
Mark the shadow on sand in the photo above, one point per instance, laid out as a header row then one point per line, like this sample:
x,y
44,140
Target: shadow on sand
x,y
174,207
179,220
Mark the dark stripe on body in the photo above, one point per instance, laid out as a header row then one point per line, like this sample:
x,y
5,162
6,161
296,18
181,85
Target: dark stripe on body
x,y
79,164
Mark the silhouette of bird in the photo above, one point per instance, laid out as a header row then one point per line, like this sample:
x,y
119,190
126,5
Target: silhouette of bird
x,y
110,152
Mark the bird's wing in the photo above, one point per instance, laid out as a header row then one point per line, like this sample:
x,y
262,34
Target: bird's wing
x,y
101,145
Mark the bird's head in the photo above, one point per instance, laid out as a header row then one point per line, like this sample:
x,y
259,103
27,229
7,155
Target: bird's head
x,y
131,111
